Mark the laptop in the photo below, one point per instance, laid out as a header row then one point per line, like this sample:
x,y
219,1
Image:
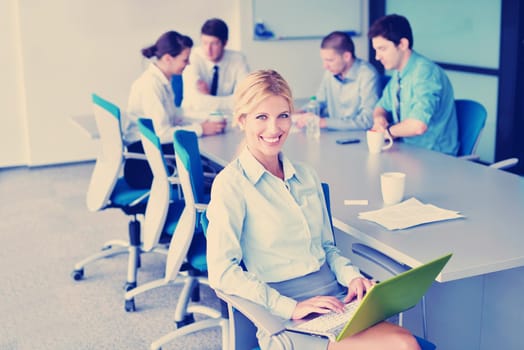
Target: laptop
x,y
384,300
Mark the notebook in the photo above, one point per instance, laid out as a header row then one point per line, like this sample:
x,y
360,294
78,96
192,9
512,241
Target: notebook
x,y
384,300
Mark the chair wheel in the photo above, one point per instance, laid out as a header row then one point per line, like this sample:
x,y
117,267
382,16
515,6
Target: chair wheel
x,y
188,319
130,305
77,274
129,285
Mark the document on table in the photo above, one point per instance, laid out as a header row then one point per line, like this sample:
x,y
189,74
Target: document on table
x,y
408,213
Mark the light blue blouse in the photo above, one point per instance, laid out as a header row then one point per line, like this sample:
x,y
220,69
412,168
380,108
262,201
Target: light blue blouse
x,y
348,102
426,94
279,229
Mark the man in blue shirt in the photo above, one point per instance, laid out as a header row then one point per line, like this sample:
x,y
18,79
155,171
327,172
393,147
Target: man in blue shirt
x,y
419,96
349,88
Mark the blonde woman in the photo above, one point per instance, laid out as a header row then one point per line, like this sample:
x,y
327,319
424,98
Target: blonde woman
x,y
268,213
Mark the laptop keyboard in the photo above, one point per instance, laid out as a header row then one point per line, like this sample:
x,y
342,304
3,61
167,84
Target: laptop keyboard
x,y
332,322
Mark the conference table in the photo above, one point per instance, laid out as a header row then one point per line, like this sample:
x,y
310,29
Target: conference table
x,y
477,302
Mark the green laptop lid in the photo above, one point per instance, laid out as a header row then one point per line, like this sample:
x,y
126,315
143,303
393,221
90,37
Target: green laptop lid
x,y
393,296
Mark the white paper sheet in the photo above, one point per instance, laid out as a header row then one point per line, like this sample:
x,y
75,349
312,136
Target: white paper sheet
x,y
408,213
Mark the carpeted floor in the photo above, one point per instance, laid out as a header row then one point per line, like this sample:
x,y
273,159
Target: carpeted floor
x,y
46,228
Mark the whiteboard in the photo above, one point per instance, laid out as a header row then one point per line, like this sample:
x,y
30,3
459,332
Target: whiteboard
x,y
303,19
463,32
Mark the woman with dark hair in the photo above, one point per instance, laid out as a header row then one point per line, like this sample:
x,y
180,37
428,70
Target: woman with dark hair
x,y
152,97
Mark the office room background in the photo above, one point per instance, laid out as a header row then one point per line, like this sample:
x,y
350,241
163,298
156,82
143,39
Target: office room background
x,y
56,53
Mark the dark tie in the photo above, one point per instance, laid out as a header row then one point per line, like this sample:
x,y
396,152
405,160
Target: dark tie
x,y
214,82
397,99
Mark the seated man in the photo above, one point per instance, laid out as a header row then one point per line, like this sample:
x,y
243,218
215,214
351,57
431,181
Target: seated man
x,y
349,88
419,96
214,71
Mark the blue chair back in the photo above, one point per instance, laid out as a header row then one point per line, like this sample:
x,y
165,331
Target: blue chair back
x,y
145,125
471,117
178,88
186,148
383,81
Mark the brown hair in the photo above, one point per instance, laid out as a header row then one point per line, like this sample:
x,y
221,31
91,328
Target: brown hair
x,y
217,28
340,42
393,28
171,43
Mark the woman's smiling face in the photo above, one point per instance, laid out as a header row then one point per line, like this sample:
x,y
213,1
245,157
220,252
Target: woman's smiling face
x,y
267,127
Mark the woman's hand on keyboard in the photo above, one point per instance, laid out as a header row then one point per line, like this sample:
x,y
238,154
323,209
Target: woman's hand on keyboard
x,y
319,304
357,288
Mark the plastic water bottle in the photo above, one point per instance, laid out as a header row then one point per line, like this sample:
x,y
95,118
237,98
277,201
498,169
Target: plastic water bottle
x,y
313,124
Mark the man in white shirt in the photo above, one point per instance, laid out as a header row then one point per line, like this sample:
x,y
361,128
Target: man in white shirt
x,y
213,73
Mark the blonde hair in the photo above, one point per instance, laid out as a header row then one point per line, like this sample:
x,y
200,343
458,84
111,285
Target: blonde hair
x,y
255,88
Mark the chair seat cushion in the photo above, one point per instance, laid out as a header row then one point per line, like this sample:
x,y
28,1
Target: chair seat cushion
x,y
197,252
123,195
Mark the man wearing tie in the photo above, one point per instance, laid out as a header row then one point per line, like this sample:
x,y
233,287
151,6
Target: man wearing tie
x,y
214,71
419,97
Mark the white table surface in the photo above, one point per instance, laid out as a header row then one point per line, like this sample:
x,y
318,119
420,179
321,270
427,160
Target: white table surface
x,y
490,238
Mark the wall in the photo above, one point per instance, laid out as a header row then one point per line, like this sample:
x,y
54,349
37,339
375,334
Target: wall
x,y
465,36
297,60
62,51
13,140
70,49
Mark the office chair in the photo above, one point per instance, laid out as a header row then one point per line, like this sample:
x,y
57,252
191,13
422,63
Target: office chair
x,y
383,82
245,317
471,118
178,88
108,189
164,207
189,244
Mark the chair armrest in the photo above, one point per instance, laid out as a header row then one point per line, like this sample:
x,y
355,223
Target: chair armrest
x,y
142,156
201,207
174,180
140,199
470,157
382,260
505,164
133,155
257,314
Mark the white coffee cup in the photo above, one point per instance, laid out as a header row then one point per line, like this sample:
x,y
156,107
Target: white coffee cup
x,y
376,140
218,116
392,185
